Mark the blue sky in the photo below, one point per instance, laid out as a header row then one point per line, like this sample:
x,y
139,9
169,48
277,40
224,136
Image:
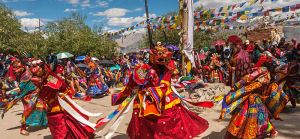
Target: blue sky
x,y
111,14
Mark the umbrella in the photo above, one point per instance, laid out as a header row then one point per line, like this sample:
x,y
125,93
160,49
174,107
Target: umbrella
x,y
36,62
106,62
112,68
81,65
219,43
80,58
116,67
64,55
95,59
173,47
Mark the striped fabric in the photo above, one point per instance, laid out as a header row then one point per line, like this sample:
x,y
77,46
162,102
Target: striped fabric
x,y
252,102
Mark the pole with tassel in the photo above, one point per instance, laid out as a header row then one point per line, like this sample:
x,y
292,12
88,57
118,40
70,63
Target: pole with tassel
x,y
183,18
148,25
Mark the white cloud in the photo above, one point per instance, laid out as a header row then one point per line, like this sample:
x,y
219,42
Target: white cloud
x,y
127,22
73,1
70,10
85,3
150,15
30,22
122,22
22,13
102,3
116,12
82,3
138,9
113,12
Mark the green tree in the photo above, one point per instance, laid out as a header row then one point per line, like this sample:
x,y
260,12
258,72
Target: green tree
x,y
9,28
73,35
70,34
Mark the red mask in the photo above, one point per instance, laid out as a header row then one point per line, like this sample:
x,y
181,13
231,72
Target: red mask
x,y
160,55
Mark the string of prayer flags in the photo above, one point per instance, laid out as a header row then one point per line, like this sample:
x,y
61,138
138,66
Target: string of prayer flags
x,y
242,4
229,8
252,2
159,22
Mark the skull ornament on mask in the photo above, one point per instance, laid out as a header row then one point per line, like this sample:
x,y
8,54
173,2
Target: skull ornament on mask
x,y
160,55
36,71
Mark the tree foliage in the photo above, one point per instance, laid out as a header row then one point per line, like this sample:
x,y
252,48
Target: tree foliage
x,y
9,28
73,35
69,34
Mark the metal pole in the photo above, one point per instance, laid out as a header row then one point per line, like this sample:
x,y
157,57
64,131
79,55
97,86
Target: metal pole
x,y
148,25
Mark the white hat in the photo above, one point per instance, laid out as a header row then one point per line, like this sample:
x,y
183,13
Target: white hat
x,y
247,42
34,62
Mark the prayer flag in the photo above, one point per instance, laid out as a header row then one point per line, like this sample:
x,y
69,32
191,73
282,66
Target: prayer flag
x,y
286,9
221,9
211,22
233,6
278,9
225,8
297,6
252,2
228,8
242,4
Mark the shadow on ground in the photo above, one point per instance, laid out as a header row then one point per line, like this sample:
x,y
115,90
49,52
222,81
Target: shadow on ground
x,y
289,127
13,128
123,136
47,137
216,135
30,129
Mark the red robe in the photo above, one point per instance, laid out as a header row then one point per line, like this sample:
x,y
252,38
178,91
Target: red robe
x,y
164,117
61,124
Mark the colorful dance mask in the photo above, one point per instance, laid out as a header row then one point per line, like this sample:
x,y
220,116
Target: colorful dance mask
x,y
160,55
